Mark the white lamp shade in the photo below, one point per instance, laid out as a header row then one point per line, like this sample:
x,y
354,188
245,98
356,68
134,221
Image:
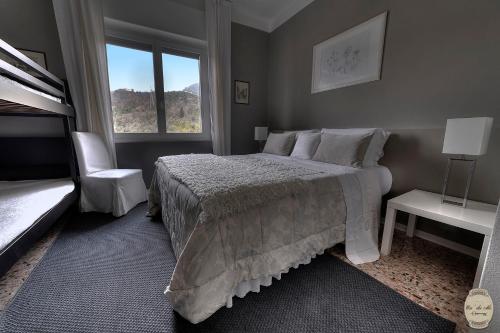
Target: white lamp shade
x,y
467,136
260,133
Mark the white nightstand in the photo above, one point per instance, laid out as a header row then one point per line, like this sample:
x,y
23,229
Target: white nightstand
x,y
477,216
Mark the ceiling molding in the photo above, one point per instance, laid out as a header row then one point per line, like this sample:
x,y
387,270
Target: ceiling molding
x,y
288,12
246,16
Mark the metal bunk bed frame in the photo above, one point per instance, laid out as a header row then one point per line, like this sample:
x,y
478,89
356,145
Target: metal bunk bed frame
x,y
16,100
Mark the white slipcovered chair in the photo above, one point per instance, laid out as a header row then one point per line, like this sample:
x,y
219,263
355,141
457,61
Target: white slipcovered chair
x,y
104,189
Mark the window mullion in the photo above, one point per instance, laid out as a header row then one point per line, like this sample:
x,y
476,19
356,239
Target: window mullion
x,y
160,95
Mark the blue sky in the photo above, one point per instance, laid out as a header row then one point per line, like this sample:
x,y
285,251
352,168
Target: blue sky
x,y
133,69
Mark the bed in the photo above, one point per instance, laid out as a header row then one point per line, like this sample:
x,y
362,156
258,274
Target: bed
x,y
29,207
26,205
256,216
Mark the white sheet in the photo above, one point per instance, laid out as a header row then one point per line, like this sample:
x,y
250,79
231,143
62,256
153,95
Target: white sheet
x,y
363,189
22,203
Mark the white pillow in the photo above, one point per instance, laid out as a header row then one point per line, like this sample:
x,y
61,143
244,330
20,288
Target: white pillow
x,y
306,145
375,149
297,132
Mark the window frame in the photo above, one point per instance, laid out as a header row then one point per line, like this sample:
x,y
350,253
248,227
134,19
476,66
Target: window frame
x,y
158,42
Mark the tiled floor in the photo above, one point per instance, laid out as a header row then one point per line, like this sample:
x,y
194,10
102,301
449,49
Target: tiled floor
x,y
430,275
19,272
433,276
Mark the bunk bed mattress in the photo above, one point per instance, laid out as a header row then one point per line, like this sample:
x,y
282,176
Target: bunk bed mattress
x,y
25,87
23,203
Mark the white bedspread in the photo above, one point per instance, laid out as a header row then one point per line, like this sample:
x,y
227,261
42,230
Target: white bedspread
x,y
218,258
22,203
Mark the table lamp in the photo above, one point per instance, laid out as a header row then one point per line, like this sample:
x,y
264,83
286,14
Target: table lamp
x,y
468,138
260,136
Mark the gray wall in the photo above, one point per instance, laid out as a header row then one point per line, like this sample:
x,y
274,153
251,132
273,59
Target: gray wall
x,y
440,61
249,49
30,24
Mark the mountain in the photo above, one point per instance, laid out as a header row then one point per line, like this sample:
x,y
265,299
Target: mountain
x,y
135,111
193,89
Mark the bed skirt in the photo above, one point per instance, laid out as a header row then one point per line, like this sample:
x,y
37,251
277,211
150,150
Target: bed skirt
x,y
244,287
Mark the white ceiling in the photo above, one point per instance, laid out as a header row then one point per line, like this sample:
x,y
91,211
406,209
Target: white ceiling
x,y
266,15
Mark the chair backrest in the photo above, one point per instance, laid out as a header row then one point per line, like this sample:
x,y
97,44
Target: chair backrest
x,y
91,153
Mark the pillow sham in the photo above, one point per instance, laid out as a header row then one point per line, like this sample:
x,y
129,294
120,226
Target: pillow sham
x,y
343,149
279,143
375,149
297,132
306,145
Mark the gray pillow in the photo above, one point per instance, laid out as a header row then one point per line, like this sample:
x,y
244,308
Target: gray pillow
x,y
279,143
343,149
306,145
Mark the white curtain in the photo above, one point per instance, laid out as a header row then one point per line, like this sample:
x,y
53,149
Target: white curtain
x,y
218,20
81,31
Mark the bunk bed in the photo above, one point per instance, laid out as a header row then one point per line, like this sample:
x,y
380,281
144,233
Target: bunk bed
x,y
29,207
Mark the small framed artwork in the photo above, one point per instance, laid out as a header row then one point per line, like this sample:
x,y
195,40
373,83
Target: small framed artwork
x,y
36,56
242,92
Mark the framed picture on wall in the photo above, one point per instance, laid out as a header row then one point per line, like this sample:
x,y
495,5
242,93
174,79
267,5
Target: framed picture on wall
x,y
36,56
242,92
351,57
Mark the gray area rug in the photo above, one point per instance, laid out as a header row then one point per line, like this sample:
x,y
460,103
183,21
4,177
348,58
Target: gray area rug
x,y
108,275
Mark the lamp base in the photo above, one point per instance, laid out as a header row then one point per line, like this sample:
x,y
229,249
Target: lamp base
x,y
469,180
261,143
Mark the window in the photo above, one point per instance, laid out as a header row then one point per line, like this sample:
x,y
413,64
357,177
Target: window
x,y
131,82
181,81
156,91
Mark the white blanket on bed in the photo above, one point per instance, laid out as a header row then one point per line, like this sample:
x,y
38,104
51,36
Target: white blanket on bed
x,y
217,255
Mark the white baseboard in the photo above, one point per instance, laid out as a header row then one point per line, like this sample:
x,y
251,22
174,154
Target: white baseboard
x,y
442,241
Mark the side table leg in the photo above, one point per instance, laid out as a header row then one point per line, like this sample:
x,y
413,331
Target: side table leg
x,y
482,258
410,229
390,219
